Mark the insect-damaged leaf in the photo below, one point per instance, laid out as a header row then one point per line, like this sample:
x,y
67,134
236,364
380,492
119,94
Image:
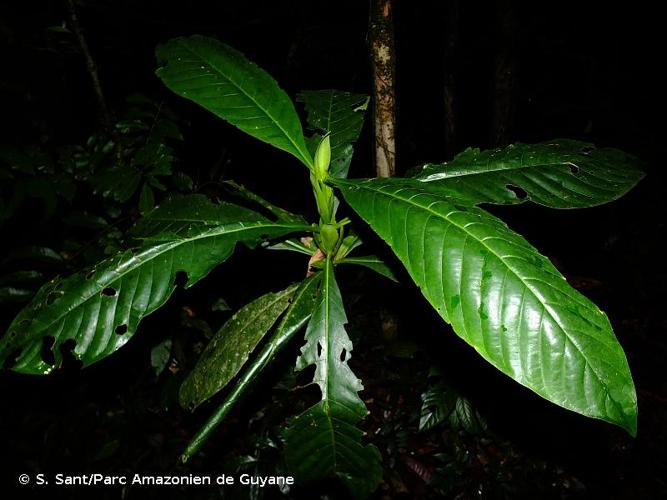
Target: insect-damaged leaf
x,y
560,174
324,441
100,309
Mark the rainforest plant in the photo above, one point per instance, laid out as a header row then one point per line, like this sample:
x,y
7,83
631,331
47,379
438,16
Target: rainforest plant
x,y
497,292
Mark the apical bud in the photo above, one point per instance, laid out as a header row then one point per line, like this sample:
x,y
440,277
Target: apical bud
x,y
323,158
328,237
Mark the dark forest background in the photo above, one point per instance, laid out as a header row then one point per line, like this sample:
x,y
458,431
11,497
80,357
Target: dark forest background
x,y
581,70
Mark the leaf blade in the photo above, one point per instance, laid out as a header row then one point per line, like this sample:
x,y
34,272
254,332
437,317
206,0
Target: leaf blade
x,y
323,441
292,321
231,346
502,297
101,310
221,79
560,173
339,114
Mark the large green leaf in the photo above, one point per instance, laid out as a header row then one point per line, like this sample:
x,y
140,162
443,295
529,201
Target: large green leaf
x,y
101,309
339,114
501,296
323,441
220,79
561,174
298,312
231,346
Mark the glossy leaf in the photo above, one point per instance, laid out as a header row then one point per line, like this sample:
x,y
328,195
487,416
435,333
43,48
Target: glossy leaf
x,y
501,296
100,309
221,79
560,174
323,441
231,346
339,114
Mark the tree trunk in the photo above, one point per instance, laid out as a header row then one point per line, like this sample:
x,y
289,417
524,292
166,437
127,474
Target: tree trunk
x,y
381,32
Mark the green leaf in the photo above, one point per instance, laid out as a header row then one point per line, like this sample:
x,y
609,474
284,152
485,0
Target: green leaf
x,y
372,262
146,199
560,174
160,356
299,246
220,79
277,212
339,114
440,404
301,308
230,348
323,441
118,183
100,310
502,297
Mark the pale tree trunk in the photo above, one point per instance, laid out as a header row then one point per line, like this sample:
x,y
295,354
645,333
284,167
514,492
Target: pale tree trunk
x,y
381,34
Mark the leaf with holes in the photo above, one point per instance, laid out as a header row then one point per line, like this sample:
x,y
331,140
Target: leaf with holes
x,y
340,114
323,441
220,79
502,297
560,174
231,346
101,309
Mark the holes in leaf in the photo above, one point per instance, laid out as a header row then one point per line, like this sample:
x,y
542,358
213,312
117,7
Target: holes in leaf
x,y
46,352
181,279
109,291
319,350
573,168
343,355
24,323
519,192
121,329
70,359
51,297
90,274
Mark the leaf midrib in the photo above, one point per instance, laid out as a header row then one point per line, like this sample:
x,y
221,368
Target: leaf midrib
x,y
305,157
167,247
449,175
528,287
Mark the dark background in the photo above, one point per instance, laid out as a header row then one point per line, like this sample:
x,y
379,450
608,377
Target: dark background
x,y
589,72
